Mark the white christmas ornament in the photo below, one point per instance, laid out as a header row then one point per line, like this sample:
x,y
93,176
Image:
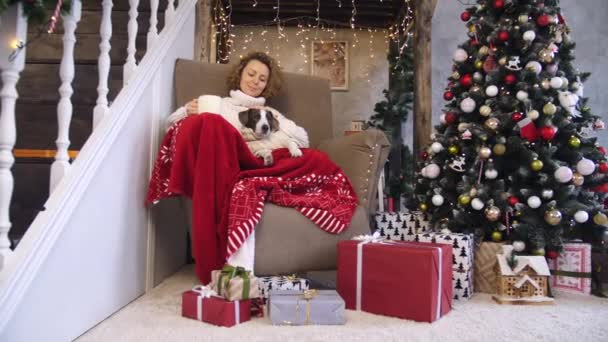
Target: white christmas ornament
x,y
467,105
477,204
519,246
556,82
491,173
513,63
492,91
458,164
563,174
437,200
534,66
568,101
436,147
547,194
533,114
522,95
581,216
460,55
534,202
430,171
529,35
442,118
565,83
585,167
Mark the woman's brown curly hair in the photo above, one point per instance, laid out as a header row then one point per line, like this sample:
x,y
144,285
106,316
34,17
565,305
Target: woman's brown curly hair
x,y
275,78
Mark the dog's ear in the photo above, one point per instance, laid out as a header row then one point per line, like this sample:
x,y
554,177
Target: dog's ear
x,y
244,117
272,121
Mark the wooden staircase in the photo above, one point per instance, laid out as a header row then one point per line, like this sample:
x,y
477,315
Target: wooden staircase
x,y
36,109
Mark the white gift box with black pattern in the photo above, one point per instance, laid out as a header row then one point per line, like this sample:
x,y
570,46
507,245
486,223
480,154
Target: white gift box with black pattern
x,y
270,283
401,225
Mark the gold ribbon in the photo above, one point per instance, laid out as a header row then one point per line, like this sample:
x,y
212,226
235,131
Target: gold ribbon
x,y
307,296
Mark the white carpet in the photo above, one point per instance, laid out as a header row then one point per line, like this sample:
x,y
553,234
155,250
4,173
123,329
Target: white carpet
x,y
157,317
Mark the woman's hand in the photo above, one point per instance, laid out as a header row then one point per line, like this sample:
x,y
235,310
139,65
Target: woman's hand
x,y
192,107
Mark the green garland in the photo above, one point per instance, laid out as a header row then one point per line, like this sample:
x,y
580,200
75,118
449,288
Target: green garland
x,y
37,11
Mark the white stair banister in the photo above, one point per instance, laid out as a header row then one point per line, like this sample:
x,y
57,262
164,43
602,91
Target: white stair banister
x,y
153,31
103,63
61,165
130,64
169,12
13,30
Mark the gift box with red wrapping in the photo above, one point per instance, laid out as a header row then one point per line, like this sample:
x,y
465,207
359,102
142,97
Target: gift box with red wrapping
x,y
401,279
571,271
215,310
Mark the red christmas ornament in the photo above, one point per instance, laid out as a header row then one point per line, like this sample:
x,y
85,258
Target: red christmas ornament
x,y
547,132
466,80
602,150
448,95
552,254
561,19
603,167
543,20
473,42
465,16
510,79
450,118
424,155
513,200
517,116
503,36
499,4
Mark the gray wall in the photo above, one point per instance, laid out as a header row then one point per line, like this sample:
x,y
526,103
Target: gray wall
x,y
357,103
587,21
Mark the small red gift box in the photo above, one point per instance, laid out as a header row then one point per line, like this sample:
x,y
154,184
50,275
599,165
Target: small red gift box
x,y
401,279
215,310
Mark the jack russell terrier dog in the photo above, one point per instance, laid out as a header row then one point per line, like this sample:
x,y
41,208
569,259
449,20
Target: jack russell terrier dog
x,y
263,135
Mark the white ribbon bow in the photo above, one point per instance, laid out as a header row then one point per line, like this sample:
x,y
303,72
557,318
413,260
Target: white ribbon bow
x,y
203,292
366,238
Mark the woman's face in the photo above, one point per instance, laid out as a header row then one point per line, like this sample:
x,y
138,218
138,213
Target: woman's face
x,y
254,78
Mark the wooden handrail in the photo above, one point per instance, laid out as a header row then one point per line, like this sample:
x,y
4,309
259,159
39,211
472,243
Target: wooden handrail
x,y
38,153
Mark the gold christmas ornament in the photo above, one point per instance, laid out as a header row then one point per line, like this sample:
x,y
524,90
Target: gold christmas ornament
x,y
499,149
546,55
492,213
496,236
483,51
578,179
456,75
523,18
549,108
423,207
492,123
464,199
600,219
475,90
553,217
453,149
485,152
485,110
546,84
472,29
574,142
536,165
478,64
539,252
502,61
473,192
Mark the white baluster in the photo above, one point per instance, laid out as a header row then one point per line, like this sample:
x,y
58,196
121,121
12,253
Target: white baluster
x,y
153,31
103,63
130,65
13,29
170,12
61,165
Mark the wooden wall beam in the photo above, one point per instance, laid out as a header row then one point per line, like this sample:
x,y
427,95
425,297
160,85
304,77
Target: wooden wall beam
x,y
423,15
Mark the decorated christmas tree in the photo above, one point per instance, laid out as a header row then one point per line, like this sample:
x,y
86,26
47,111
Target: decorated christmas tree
x,y
515,157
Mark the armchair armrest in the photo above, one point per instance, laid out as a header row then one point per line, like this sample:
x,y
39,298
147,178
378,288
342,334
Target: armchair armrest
x,y
362,157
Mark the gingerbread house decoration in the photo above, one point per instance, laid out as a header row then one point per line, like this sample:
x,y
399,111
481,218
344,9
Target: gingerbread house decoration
x,y
527,282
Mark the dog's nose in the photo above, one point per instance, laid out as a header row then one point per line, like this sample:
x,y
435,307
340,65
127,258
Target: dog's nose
x,y
265,128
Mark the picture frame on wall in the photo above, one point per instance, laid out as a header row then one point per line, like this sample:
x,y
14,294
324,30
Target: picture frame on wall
x,y
329,59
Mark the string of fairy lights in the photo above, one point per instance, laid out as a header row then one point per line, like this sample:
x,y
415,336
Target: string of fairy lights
x,y
305,30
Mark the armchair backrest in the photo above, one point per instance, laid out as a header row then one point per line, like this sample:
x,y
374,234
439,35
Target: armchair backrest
x,y
304,99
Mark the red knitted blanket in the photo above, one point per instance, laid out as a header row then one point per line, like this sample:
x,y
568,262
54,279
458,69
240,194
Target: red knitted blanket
x,y
205,158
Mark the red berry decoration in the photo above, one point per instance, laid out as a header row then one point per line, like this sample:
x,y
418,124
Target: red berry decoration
x,y
547,132
602,150
450,118
465,16
513,200
499,4
466,80
552,254
424,155
510,79
517,116
448,95
603,167
503,36
543,20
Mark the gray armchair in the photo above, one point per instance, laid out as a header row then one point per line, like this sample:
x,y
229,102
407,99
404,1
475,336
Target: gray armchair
x,y
286,241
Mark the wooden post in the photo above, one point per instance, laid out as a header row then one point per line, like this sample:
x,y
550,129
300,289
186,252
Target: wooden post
x,y
423,15
204,34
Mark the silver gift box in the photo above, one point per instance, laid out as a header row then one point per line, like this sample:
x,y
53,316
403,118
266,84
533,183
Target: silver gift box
x,y
311,307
